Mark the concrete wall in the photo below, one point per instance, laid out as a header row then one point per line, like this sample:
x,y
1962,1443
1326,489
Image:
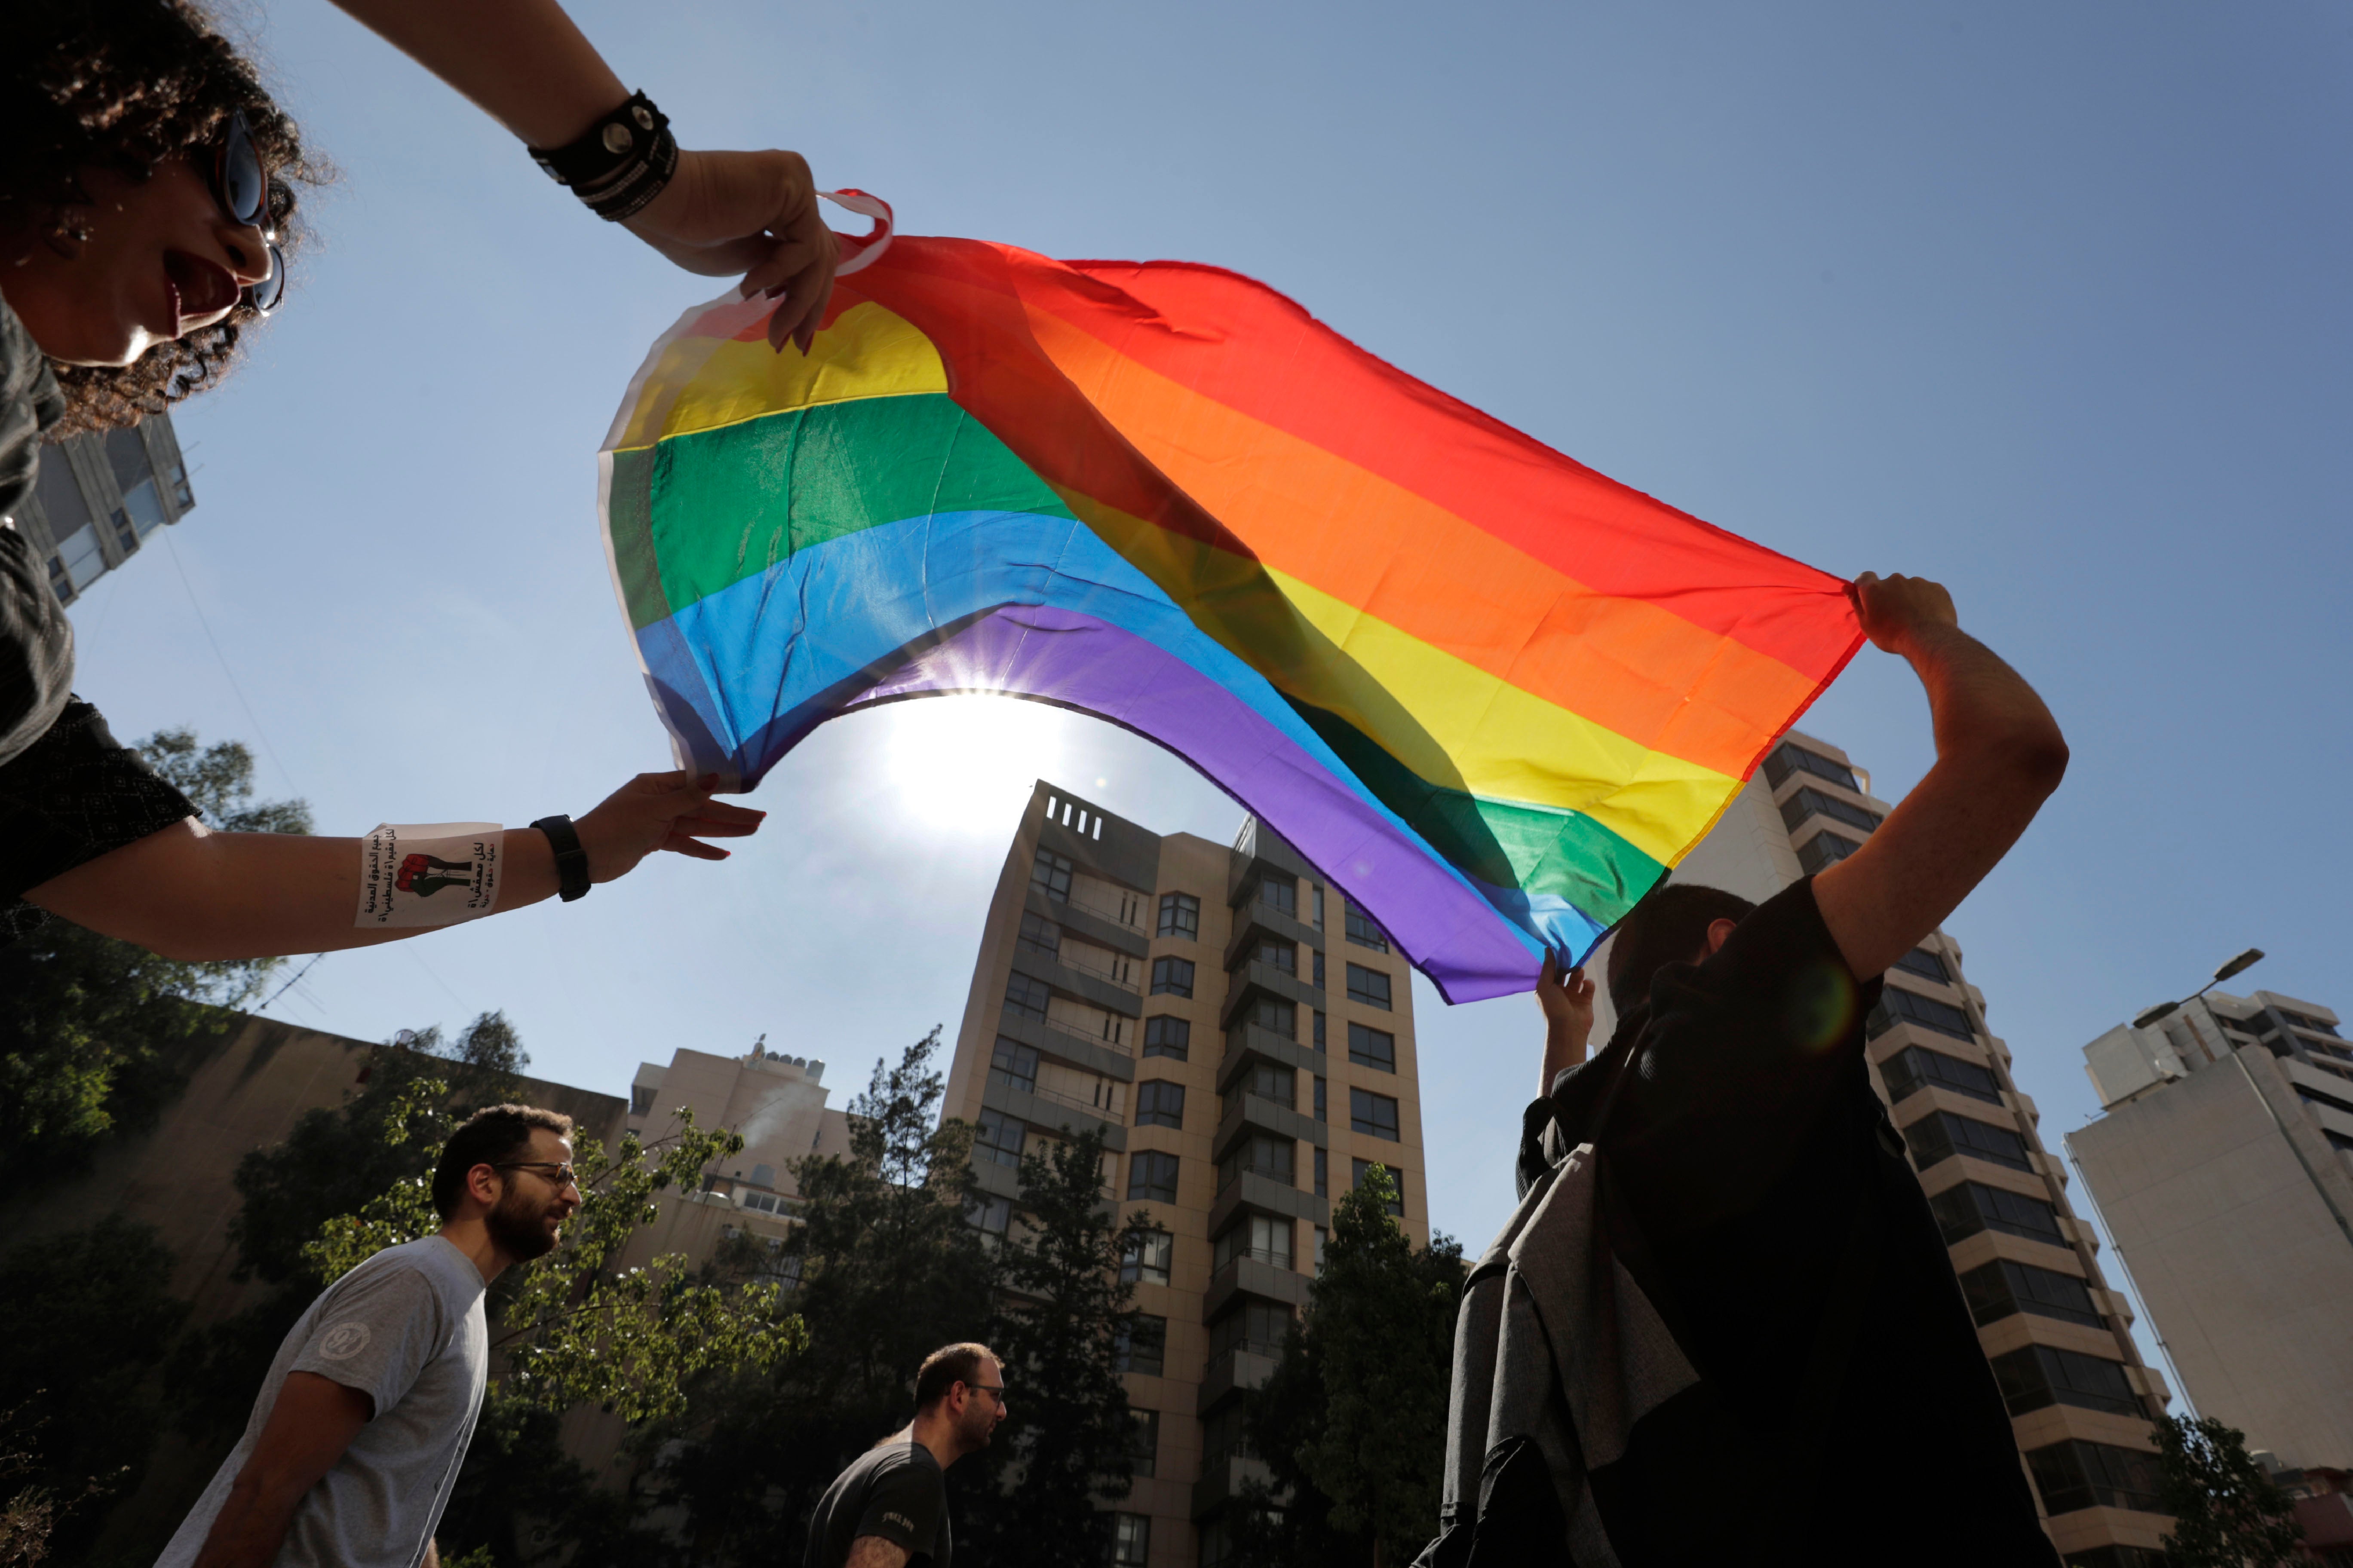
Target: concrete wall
x,y
2245,1272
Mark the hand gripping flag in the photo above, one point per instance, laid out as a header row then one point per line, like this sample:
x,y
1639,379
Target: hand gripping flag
x,y
1488,692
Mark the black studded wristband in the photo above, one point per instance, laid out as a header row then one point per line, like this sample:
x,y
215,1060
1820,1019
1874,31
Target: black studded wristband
x,y
612,145
571,861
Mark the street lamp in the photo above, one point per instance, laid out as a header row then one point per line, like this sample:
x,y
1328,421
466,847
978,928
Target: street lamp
x,y
2238,965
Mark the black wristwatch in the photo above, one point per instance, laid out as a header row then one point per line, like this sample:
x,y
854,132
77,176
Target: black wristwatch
x,y
571,861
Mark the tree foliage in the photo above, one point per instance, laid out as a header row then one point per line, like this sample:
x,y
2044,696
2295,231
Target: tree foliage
x,y
2227,1512
884,1269
88,1025
1067,1444
1353,1424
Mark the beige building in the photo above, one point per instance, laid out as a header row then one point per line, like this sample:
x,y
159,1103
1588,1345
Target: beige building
x,y
1243,1038
2224,1168
2080,1399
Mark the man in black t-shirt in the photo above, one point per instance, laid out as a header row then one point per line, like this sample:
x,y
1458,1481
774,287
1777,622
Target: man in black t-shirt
x,y
890,1507
1755,1189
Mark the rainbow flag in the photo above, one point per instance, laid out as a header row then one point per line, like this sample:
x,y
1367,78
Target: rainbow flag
x,y
1488,692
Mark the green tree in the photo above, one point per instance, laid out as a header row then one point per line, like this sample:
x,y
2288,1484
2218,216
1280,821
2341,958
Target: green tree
x,y
1353,1423
884,1268
2227,1513
90,1318
1068,1445
89,1026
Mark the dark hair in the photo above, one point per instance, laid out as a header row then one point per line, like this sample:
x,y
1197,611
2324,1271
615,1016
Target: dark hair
x,y
124,85
1669,926
947,1367
486,1138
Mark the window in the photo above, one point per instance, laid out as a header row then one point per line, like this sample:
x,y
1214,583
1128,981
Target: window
x,y
1144,1446
1369,986
1166,1037
1924,964
764,1176
1911,1007
1911,1069
1973,1207
1040,936
1361,929
1373,1114
1278,893
1180,915
1808,803
1259,1238
1323,1238
1825,849
1143,1345
1282,955
1258,1156
1319,1031
2077,1475
1397,1204
2002,1287
1787,759
1130,1539
1145,1260
1268,1080
78,562
1050,875
761,1203
1014,1065
1276,1014
1000,1138
990,1216
1372,1049
1159,1104
1323,1173
1320,1100
2039,1375
1936,1138
2307,1021
1225,1434
1316,894
1256,1327
1151,1174
1172,976
641,1099
1318,976
1027,995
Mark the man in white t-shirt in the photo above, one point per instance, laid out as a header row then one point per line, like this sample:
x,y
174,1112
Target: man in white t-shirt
x,y
357,1440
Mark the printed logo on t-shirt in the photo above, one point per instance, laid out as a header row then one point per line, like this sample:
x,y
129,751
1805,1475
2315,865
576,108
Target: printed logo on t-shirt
x,y
901,1519
344,1341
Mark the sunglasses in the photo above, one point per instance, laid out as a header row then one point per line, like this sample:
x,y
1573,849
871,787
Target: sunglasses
x,y
242,186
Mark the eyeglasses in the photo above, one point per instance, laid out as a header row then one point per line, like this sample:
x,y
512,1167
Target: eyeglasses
x,y
564,1176
996,1393
242,187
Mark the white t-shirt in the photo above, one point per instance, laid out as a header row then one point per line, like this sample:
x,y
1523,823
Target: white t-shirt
x,y
405,1328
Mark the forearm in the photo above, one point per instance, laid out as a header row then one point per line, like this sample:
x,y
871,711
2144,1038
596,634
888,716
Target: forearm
x,y
523,62
251,1525
1978,704
1564,1048
193,895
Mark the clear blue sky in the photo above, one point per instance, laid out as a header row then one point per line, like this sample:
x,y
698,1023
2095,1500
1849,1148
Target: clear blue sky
x,y
2047,301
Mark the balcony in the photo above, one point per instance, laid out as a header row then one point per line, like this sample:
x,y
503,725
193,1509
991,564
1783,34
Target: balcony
x,y
1044,1109
1097,990
1222,1478
1133,984
1258,851
1254,1042
1248,1277
1251,1113
1255,921
1268,1195
1236,1371
1083,916
1080,1049
1265,977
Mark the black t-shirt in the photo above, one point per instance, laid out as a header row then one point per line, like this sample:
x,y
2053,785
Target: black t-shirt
x,y
1739,1145
69,791
897,1491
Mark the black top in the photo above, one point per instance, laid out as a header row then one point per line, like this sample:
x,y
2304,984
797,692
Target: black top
x,y
68,792
897,1491
1736,1151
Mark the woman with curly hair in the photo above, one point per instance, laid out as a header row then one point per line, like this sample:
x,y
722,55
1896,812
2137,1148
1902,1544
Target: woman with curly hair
x,y
147,210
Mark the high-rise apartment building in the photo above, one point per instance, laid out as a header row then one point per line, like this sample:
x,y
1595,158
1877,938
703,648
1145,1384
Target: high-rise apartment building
x,y
99,497
2081,1401
1243,1038
2223,1170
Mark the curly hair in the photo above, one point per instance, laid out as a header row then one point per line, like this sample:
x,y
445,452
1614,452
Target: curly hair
x,y
124,85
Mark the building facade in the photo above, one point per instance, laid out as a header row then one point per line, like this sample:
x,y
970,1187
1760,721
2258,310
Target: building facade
x,y
1242,1036
2081,1401
2224,1168
100,496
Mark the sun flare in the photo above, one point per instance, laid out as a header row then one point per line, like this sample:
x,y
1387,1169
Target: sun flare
x,y
965,764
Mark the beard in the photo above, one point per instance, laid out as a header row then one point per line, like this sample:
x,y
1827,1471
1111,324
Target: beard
x,y
520,1228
